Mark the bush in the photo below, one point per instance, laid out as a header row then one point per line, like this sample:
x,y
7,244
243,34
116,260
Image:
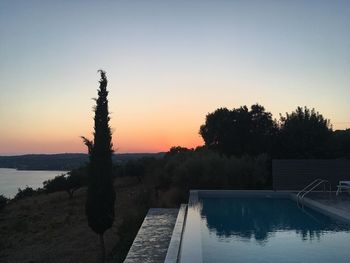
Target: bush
x,y
3,202
206,169
56,184
26,192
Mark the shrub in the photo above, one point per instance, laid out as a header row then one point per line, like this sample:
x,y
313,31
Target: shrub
x,y
207,169
26,192
56,184
3,202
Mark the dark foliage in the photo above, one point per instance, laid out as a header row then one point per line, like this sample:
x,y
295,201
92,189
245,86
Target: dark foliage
x,y
135,168
26,192
56,184
304,134
3,202
177,150
69,182
101,195
188,169
239,131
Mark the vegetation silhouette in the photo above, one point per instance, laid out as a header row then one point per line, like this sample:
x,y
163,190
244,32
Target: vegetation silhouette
x,y
27,192
100,194
239,131
69,182
3,201
304,133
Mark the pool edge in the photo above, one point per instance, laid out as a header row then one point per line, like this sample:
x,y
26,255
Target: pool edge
x,y
173,252
327,210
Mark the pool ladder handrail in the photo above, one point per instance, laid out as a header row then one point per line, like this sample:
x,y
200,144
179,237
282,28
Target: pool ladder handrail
x,y
307,189
309,185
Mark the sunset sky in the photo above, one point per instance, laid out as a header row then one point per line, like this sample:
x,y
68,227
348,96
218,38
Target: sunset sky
x,y
168,63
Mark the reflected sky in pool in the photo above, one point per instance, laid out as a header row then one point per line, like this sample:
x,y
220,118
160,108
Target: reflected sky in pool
x,y
263,230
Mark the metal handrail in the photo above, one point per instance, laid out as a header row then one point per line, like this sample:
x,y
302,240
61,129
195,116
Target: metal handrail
x,y
309,185
316,185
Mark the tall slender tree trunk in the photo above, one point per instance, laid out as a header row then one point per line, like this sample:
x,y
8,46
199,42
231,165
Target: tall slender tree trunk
x,y
103,249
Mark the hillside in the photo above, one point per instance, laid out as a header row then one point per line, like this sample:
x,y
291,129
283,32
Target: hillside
x,y
53,228
62,162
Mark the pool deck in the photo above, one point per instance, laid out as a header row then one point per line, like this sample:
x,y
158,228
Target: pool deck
x,y
338,206
152,241
342,201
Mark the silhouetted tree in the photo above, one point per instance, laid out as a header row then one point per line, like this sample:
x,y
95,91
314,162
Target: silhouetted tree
x,y
304,133
216,132
69,182
101,195
177,150
239,131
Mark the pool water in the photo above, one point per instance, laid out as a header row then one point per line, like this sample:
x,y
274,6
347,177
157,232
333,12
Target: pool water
x,y
262,230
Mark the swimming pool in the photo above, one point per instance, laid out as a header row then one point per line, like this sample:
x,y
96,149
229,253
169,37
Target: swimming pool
x,y
262,228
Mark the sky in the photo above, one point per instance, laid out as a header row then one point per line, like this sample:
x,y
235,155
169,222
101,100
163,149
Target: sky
x,y
168,63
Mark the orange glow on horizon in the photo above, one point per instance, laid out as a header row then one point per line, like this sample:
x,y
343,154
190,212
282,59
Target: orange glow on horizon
x,y
130,143
156,144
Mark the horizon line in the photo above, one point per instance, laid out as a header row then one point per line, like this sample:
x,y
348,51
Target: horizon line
x,y
116,153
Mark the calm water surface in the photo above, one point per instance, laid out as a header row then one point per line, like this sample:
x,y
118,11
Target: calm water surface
x,y
12,179
262,230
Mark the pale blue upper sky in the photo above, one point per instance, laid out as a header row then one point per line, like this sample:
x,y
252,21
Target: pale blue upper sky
x,y
169,63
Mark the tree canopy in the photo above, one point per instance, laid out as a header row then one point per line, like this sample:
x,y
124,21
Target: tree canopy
x,y
239,131
304,133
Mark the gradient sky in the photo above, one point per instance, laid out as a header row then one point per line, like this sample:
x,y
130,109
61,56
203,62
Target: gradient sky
x,y
168,63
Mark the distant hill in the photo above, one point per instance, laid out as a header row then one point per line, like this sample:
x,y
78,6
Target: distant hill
x,y
62,162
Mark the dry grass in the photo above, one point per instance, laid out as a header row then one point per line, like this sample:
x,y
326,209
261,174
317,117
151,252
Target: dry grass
x,y
52,228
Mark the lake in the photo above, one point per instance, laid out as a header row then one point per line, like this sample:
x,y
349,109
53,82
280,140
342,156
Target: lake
x,y
12,179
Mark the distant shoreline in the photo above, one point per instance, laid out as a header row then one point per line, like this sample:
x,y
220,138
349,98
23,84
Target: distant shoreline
x,y
33,170
63,161
12,179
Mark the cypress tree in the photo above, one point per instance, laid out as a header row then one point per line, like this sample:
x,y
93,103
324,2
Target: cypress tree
x,y
100,200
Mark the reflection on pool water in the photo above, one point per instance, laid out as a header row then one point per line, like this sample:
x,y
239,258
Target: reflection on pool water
x,y
259,230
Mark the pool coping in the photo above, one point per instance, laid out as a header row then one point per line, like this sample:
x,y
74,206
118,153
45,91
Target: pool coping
x,y
325,209
195,194
153,238
172,254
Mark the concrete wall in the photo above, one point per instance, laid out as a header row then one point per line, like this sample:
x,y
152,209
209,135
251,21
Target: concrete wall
x,y
296,174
